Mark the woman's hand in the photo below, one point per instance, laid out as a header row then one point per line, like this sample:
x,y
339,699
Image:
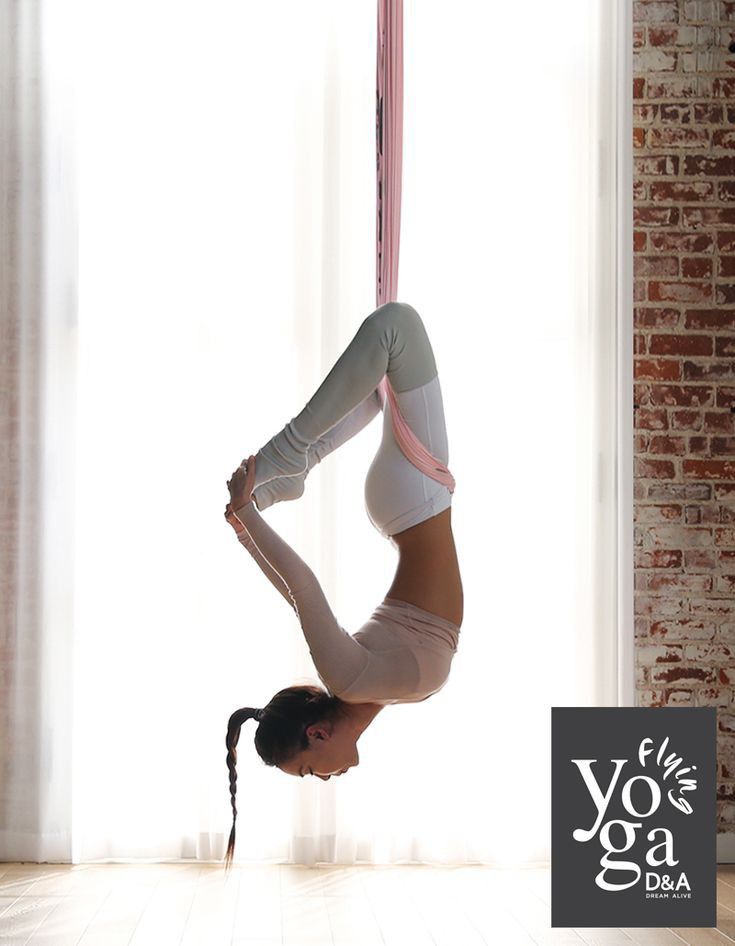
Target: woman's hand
x,y
233,520
241,484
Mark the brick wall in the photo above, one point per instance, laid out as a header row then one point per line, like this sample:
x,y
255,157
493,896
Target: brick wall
x,y
684,363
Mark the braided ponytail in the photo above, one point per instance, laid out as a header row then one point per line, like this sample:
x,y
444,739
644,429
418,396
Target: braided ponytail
x,y
281,734
234,725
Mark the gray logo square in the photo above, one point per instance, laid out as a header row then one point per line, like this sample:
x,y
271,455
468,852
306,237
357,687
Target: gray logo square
x,y
633,816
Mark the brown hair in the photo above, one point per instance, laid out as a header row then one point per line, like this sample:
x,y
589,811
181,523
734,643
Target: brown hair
x,y
280,735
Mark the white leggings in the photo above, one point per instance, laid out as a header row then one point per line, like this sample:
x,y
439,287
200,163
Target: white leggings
x,y
397,494
391,341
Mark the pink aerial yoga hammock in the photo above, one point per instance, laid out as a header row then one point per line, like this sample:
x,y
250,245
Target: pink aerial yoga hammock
x,y
389,147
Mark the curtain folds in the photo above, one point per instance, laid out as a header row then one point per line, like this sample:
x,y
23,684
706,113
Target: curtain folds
x,y
38,234
186,250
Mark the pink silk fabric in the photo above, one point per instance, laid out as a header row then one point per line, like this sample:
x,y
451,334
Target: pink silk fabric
x,y
389,146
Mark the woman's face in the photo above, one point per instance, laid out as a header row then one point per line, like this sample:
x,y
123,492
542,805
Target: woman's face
x,y
332,750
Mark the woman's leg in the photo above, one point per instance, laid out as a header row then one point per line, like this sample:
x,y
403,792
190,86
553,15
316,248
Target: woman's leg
x,y
392,340
398,494
292,487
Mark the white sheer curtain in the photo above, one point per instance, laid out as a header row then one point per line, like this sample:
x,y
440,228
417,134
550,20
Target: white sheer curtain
x,y
38,307
226,168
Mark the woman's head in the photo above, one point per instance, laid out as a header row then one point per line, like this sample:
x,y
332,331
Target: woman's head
x,y
303,731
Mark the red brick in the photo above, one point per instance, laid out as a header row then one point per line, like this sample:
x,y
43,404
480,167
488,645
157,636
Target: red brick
x,y
663,36
673,446
679,88
654,469
680,291
681,345
725,346
696,559
652,317
722,445
679,696
709,469
694,267
682,395
725,293
648,419
661,607
725,536
709,318
696,217
728,768
686,420
718,606
727,559
659,558
698,583
657,369
650,698
656,265
708,113
662,513
690,191
648,655
677,674
706,514
697,445
681,242
713,696
684,629
708,652
682,536
670,136
707,371
719,422
701,491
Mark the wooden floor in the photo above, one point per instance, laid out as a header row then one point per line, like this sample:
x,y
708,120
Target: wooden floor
x,y
186,904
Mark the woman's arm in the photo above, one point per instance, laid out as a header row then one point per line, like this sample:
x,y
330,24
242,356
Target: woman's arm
x,y
270,573
338,657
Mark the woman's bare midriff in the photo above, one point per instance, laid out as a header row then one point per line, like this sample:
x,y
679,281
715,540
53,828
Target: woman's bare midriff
x,y
428,570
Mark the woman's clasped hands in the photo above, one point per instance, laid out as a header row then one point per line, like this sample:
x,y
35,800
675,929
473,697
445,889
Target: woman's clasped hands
x,y
240,485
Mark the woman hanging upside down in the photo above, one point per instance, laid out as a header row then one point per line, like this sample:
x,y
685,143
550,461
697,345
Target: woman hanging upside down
x,y
403,652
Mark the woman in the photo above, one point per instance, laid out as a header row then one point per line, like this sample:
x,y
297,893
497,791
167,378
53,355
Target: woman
x,y
404,651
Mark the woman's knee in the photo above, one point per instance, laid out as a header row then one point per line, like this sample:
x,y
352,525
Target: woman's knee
x,y
398,315
403,335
